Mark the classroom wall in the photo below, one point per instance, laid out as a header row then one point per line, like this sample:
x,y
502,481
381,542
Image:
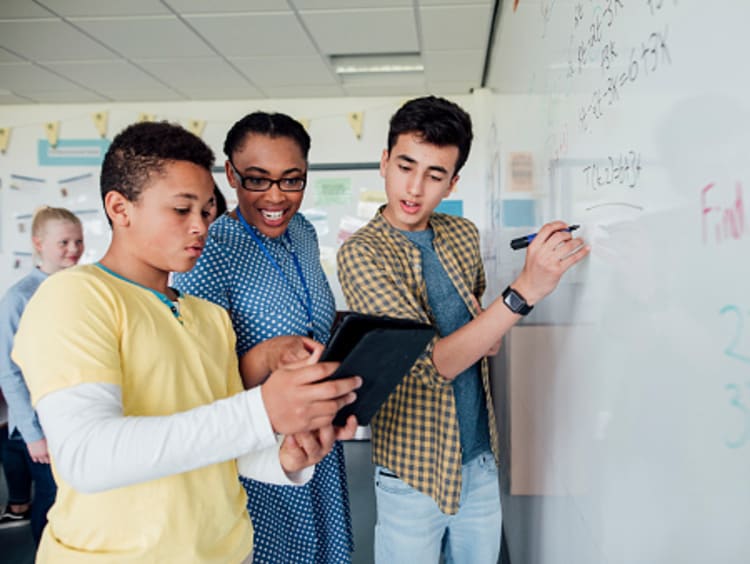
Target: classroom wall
x,y
333,141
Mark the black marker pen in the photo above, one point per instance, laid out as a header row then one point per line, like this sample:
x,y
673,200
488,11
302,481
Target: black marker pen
x,y
523,242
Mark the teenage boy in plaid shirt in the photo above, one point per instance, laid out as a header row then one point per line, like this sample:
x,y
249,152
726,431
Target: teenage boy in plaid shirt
x,y
434,440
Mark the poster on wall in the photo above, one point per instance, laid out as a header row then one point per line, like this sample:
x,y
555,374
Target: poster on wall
x,y
72,152
337,203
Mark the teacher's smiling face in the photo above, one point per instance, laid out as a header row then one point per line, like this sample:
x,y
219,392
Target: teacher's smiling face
x,y
262,160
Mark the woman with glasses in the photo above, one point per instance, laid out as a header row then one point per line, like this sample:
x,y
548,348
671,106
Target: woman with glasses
x,y
261,262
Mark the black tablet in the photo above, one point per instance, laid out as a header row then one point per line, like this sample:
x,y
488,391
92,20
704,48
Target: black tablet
x,y
381,350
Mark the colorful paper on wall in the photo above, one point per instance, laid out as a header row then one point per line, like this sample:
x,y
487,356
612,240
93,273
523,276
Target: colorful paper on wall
x,y
72,152
451,207
518,213
521,171
369,202
333,191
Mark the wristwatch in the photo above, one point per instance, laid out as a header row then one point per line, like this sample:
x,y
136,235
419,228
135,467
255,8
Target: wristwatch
x,y
516,302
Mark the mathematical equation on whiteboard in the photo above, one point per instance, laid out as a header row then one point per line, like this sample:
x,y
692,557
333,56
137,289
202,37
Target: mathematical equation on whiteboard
x,y
592,44
623,169
596,42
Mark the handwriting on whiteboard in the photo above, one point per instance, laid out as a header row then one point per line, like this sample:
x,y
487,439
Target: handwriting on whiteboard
x,y
738,349
647,58
722,215
739,398
585,50
623,169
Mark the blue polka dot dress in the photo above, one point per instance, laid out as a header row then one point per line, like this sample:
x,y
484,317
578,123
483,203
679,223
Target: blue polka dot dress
x,y
310,523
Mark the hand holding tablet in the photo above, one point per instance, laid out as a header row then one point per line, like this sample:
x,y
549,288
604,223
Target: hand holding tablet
x,y
380,350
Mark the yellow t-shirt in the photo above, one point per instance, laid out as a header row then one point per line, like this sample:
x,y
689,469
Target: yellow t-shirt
x,y
84,325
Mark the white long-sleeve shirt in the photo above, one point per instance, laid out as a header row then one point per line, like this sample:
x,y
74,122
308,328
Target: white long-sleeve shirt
x,y
96,448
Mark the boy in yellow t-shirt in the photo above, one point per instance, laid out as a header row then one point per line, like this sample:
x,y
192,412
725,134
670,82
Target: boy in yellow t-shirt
x,y
137,386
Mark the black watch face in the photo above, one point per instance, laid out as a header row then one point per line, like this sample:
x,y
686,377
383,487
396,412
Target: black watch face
x,y
514,302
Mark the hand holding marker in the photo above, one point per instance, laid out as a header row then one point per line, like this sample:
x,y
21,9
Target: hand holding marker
x,y
523,242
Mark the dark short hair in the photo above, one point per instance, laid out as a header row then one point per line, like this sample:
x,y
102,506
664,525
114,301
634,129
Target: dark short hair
x,y
435,120
264,123
143,149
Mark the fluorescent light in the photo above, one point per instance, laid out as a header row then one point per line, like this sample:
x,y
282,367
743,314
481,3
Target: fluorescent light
x,y
377,64
356,69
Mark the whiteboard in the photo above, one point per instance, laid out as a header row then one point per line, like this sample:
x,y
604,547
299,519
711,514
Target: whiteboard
x,y
628,391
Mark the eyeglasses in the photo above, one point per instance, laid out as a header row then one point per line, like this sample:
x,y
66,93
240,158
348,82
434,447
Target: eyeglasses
x,y
262,184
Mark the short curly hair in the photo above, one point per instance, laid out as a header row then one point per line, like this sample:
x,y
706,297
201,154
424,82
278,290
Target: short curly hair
x,y
143,149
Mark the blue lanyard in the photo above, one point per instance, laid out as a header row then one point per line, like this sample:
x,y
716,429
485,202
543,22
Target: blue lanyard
x,y
307,304
162,297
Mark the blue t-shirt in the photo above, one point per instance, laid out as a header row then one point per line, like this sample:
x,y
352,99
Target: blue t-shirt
x,y
451,314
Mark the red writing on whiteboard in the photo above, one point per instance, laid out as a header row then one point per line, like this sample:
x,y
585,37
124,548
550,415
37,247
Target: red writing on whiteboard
x,y
722,221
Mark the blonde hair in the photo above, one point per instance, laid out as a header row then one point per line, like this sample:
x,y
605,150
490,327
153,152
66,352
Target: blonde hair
x,y
45,213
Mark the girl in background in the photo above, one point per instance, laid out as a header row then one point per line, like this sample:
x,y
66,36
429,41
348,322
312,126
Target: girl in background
x,y
261,262
57,238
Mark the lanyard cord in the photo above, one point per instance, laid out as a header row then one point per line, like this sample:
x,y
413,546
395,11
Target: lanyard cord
x,y
307,303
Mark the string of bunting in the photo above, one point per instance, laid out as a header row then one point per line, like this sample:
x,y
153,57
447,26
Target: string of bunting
x,y
101,120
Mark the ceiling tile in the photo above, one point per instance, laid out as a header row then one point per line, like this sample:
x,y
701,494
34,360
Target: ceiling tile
x,y
451,87
147,95
107,77
66,96
361,31
228,6
286,71
454,2
384,85
310,5
25,77
215,73
50,41
154,37
465,27
7,56
203,92
454,66
72,8
13,9
409,79
254,35
232,49
309,91
10,98
385,90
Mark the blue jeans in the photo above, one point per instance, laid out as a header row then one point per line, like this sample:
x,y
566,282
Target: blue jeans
x,y
18,468
410,527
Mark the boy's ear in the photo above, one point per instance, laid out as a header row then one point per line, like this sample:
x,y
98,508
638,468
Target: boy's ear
x,y
453,183
383,162
117,208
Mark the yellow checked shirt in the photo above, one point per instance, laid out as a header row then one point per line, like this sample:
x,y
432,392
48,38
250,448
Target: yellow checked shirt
x,y
415,434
